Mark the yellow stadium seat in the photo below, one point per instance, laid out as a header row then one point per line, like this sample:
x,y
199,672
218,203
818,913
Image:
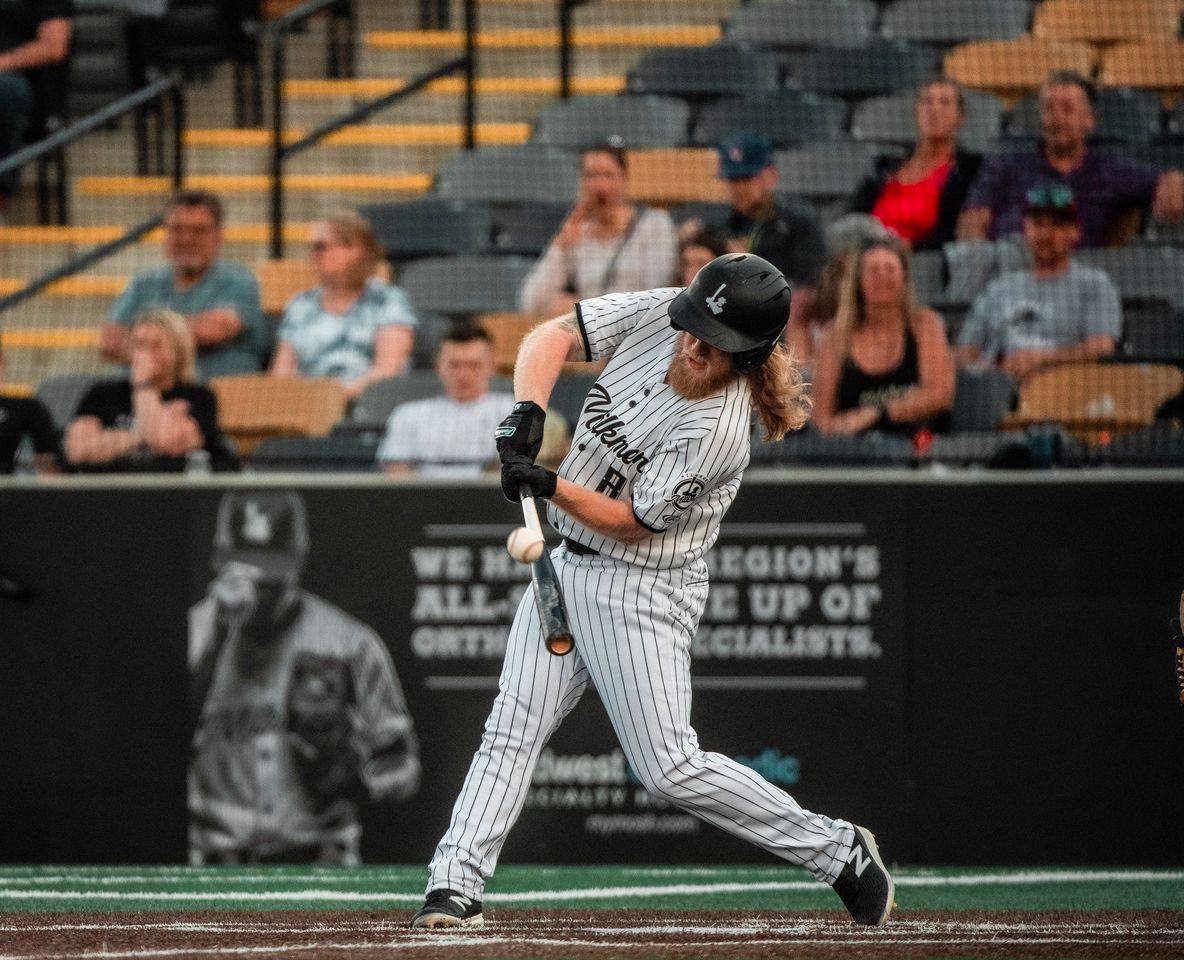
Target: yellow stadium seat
x,y
1156,65
1107,21
254,407
668,176
507,331
281,280
1014,68
1091,400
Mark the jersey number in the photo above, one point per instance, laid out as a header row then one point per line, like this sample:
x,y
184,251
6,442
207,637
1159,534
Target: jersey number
x,y
612,483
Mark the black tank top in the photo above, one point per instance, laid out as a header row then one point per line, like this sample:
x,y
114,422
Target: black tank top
x,y
858,388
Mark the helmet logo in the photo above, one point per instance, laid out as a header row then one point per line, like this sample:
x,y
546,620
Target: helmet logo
x,y
256,524
716,302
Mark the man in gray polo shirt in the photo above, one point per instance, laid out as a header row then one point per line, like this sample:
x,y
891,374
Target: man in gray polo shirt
x,y
1056,312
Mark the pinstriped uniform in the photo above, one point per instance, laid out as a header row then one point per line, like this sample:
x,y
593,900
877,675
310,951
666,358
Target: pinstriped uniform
x,y
634,609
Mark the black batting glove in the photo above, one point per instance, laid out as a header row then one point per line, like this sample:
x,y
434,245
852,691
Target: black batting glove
x,y
519,472
521,433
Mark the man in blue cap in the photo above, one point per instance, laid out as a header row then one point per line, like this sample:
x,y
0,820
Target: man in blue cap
x,y
787,234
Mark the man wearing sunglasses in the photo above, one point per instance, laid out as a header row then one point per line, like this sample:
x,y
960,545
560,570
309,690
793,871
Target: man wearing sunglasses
x,y
1056,312
1110,188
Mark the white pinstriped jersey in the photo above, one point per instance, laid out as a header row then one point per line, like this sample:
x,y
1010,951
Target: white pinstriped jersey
x,y
679,462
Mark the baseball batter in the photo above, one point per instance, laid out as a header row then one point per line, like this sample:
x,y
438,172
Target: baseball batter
x,y
299,716
656,460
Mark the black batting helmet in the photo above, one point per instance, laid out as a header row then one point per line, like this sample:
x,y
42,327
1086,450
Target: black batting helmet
x,y
739,304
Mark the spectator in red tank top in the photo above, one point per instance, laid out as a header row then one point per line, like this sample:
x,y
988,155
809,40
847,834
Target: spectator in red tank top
x,y
919,198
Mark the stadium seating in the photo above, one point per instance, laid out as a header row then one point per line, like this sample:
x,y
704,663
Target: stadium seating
x,y
1104,21
1154,64
570,390
883,66
252,408
61,394
890,119
429,334
809,448
949,22
1161,445
337,453
1141,271
979,449
719,70
100,59
462,286
825,171
1153,333
665,177
373,407
525,227
786,117
982,395
506,330
1123,114
430,226
803,23
281,280
537,172
646,120
1013,68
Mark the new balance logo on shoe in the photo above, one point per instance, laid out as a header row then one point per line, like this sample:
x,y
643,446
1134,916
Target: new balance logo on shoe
x,y
446,909
463,902
858,860
864,884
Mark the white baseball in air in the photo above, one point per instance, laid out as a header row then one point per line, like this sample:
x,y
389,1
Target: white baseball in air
x,y
524,545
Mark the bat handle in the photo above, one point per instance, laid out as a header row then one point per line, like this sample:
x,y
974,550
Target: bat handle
x,y
530,513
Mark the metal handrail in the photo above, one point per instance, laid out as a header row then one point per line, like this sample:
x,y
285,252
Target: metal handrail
x,y
169,86
566,9
278,31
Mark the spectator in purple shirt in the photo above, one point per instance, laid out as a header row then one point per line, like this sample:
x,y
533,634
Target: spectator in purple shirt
x,y
1108,187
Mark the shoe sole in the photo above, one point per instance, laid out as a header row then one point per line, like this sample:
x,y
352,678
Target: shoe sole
x,y
445,921
870,840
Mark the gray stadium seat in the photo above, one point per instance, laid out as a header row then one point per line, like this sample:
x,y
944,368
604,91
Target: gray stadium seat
x,y
536,172
890,119
646,120
99,60
336,453
808,448
373,407
568,396
711,71
429,334
883,66
525,227
786,117
1161,445
825,171
1123,113
706,211
803,23
981,396
1152,333
1141,271
460,286
974,449
949,22
928,269
61,395
430,226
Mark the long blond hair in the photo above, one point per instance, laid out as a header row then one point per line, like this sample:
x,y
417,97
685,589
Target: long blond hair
x,y
852,312
177,330
779,393
354,229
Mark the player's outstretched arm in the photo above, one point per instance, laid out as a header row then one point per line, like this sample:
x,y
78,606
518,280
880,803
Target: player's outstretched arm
x,y
542,355
611,518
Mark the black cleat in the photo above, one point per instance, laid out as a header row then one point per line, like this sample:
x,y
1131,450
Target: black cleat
x,y
864,885
447,908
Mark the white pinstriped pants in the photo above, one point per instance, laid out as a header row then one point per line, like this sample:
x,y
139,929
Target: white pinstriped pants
x,y
633,629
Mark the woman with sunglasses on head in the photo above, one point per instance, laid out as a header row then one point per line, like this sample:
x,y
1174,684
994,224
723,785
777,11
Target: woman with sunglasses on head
x,y
919,198
354,326
884,364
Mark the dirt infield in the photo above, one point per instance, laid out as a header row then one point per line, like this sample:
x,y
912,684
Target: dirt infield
x,y
363,935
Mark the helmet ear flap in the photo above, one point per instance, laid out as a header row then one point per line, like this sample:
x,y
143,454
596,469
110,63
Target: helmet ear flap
x,y
747,360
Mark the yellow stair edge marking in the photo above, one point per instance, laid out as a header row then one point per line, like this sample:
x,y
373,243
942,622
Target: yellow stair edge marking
x,y
232,233
403,134
640,36
50,338
377,87
97,186
83,285
16,390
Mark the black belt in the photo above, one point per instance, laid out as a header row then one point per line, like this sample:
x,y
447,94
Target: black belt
x,y
579,548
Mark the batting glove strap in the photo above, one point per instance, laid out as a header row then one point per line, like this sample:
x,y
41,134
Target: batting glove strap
x,y
518,472
521,433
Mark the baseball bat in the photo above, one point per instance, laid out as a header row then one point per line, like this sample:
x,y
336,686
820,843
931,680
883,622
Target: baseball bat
x,y
557,635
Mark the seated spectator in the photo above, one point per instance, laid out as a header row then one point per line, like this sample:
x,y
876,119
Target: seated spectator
x,y
1056,312
919,199
33,34
884,364
607,243
153,420
452,435
25,420
219,300
1109,188
698,249
355,326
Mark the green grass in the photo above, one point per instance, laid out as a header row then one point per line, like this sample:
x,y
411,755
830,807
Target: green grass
x,y
145,888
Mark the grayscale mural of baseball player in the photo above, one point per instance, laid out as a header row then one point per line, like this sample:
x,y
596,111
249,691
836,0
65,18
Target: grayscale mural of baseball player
x,y
655,462
299,717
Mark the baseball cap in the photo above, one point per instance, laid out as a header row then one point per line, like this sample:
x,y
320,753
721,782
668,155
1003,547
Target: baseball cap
x,y
1055,199
265,528
743,155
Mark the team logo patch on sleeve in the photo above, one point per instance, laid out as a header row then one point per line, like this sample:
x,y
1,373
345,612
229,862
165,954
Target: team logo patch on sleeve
x,y
685,492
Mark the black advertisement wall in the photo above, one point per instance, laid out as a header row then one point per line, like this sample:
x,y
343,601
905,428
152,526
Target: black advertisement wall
x,y
978,669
